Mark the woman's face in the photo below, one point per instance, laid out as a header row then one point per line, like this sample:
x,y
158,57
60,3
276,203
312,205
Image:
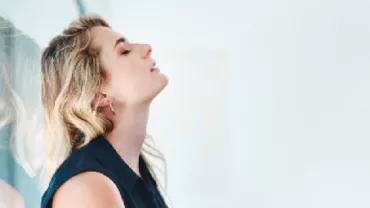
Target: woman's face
x,y
131,77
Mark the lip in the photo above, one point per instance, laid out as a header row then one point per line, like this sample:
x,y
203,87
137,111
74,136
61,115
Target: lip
x,y
153,69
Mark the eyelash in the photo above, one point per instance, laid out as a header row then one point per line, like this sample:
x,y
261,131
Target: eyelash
x,y
125,52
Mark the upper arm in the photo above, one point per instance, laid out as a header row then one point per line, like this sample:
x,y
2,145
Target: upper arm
x,y
88,190
9,196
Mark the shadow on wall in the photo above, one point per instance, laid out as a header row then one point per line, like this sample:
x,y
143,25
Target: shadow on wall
x,y
20,113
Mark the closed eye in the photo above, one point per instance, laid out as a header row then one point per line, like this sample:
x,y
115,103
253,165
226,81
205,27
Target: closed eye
x,y
125,52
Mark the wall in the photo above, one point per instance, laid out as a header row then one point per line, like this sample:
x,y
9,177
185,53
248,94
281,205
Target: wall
x,y
268,102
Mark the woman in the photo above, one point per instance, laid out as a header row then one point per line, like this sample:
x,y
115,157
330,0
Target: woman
x,y
96,92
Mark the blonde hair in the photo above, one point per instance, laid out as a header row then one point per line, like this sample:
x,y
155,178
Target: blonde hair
x,y
71,77
20,95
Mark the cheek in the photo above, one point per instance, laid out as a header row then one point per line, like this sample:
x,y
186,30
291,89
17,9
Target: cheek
x,y
129,74
128,81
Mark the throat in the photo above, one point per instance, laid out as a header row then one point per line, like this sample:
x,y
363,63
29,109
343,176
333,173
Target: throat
x,y
128,135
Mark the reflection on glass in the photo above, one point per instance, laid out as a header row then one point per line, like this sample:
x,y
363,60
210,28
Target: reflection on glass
x,y
19,99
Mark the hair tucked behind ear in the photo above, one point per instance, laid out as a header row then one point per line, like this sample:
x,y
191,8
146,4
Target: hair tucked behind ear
x,y
71,77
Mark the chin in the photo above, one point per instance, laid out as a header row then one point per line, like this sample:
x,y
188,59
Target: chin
x,y
163,84
164,81
160,85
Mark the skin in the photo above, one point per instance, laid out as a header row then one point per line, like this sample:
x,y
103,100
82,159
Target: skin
x,y
10,197
130,87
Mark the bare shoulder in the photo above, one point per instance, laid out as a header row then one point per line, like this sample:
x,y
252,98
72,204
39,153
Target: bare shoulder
x,y
9,196
88,189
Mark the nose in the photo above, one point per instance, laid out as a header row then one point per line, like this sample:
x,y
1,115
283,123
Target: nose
x,y
147,50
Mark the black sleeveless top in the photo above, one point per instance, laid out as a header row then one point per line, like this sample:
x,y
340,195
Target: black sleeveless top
x,y
100,156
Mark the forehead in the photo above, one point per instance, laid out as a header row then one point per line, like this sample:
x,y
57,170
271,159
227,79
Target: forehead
x,y
103,38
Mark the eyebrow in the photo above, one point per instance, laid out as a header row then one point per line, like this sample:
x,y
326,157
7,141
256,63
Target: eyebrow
x,y
120,40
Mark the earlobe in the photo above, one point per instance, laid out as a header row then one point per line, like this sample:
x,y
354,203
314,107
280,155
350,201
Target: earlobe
x,y
104,103
101,101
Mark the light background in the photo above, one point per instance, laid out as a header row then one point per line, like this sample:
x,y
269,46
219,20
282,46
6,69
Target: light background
x,y
268,101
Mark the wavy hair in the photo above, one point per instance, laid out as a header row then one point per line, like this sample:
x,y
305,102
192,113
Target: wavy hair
x,y
71,77
20,102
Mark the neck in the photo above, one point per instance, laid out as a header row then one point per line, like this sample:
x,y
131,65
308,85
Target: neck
x,y
128,134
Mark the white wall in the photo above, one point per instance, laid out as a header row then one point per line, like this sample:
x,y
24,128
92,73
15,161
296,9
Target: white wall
x,y
268,101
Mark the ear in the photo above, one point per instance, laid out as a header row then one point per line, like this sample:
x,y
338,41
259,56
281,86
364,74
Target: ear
x,y
100,101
